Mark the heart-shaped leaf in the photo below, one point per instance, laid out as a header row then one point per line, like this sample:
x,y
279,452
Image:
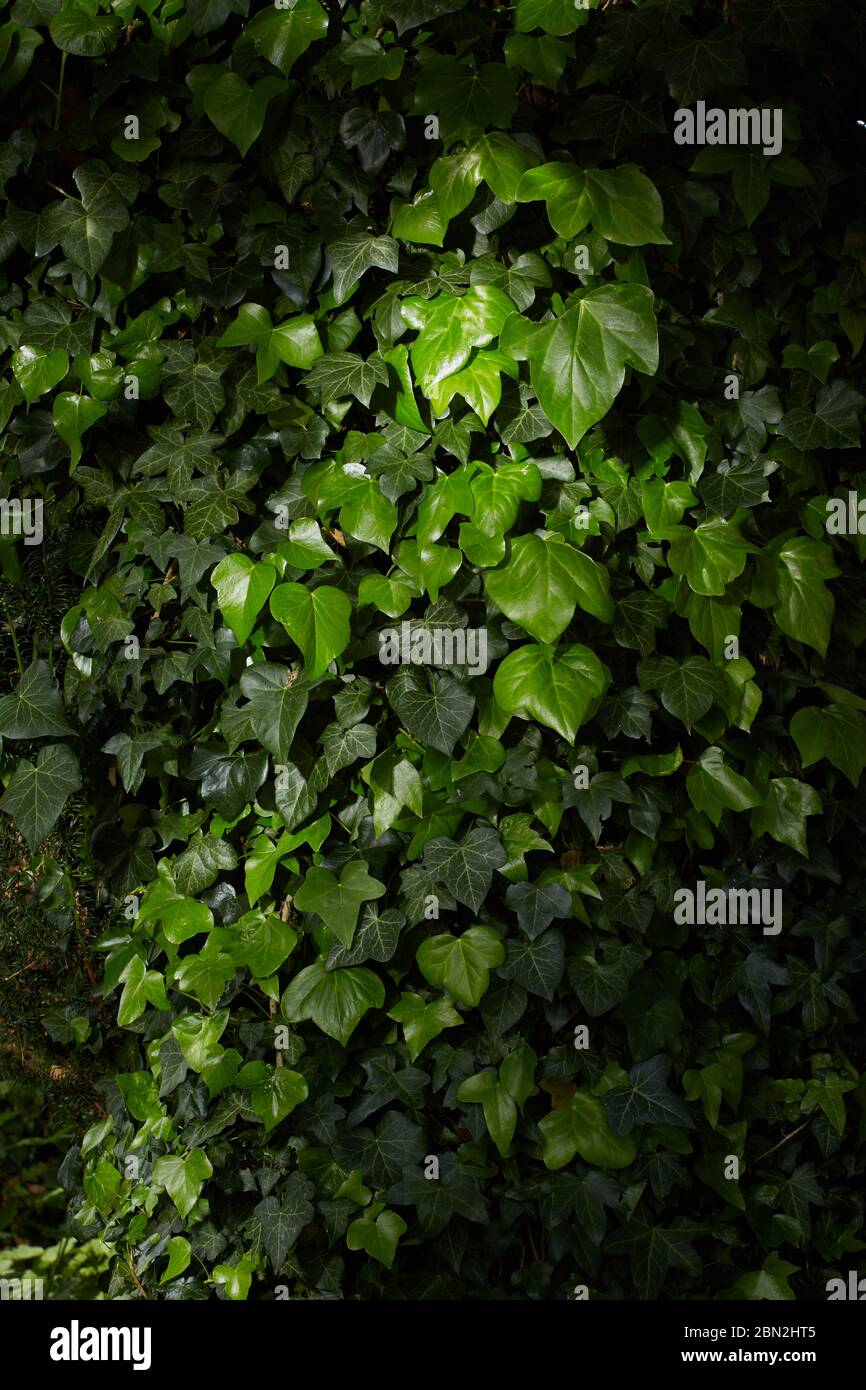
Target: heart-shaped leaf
x,y
557,688
577,362
37,794
37,372
317,620
242,588
72,415
238,110
338,901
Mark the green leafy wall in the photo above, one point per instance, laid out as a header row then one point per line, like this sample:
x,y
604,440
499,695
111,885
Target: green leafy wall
x,y
323,320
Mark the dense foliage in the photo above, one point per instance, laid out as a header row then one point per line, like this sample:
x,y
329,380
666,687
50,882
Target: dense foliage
x,y
330,329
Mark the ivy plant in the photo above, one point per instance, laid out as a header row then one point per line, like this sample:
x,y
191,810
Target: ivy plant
x,y
329,329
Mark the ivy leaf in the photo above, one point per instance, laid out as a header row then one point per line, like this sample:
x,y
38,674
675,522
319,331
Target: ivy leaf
x,y
140,988
616,120
283,1218
783,813
195,397
295,341
228,781
338,901
450,326
694,64
306,547
72,415
339,375
213,512
455,1194
753,978
37,794
374,134
37,371
687,688
199,865
204,976
556,688
86,237
834,732
646,1100
182,1178
207,15
423,1022
713,787
629,713
552,16
277,702
335,1000
235,1279
638,616
397,1144
461,965
751,415
343,747
377,1235
653,1249
437,713
294,798
284,35
409,14
391,595
76,30
582,1128
357,252
454,179
395,783
262,943
179,1256
834,423
543,581
317,620
370,62
751,184
711,556
738,485
376,938
770,1281
469,98
802,604
467,868
420,221
536,964
577,363
601,983
35,708
500,1111
536,905
197,1036
544,57
274,1091
497,494
237,109
622,204
479,383
368,515
181,917
242,588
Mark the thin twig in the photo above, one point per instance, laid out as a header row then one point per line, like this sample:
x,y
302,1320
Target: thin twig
x,y
57,108
15,646
782,1141
135,1279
